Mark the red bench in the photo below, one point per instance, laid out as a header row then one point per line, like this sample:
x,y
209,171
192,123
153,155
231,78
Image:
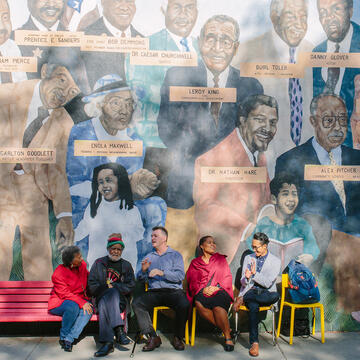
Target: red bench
x,y
26,301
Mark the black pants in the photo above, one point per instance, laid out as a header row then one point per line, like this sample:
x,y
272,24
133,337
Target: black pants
x,y
253,299
173,298
110,306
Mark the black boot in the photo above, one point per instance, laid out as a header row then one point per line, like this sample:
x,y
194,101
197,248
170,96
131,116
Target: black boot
x,y
105,349
121,336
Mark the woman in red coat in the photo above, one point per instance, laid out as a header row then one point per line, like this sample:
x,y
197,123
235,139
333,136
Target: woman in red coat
x,y
210,287
68,297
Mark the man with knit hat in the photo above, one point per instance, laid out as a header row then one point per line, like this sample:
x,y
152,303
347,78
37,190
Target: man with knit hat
x,y
111,281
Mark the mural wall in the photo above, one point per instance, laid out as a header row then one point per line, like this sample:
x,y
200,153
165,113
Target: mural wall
x,y
206,117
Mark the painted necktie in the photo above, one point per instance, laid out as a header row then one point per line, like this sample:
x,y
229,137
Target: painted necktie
x,y
338,184
296,104
215,106
35,126
184,44
333,75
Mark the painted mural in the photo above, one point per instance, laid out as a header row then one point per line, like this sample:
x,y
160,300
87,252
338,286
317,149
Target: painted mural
x,y
207,117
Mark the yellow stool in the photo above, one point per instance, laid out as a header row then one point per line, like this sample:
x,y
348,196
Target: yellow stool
x,y
293,306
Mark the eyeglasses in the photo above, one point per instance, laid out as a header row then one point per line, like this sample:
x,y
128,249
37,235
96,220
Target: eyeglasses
x,y
255,248
224,41
329,121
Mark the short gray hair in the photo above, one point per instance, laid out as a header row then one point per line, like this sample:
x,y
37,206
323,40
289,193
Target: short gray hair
x,y
277,6
316,99
222,19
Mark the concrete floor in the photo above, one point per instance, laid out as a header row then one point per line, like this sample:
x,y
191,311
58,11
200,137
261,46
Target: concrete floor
x,y
207,346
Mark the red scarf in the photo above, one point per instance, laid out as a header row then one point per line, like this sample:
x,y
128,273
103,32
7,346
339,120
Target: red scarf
x,y
200,273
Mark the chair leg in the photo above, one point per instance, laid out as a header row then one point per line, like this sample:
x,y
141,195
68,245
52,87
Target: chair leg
x,y
193,325
273,326
187,333
155,313
322,324
280,318
314,320
292,317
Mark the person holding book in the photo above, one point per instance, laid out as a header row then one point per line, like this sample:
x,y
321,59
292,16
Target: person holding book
x,y
210,287
284,226
258,285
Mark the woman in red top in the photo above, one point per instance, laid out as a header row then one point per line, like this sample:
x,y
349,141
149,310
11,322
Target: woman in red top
x,y
210,286
68,297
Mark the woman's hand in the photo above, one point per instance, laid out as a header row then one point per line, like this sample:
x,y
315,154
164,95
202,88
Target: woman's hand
x,y
209,290
88,308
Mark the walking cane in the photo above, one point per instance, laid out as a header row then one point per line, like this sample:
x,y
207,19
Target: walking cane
x,y
137,339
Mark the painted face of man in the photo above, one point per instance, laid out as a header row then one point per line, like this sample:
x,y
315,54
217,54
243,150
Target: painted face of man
x,y
58,89
119,12
218,45
291,25
330,122
117,110
334,16
180,16
5,23
259,128
108,185
47,12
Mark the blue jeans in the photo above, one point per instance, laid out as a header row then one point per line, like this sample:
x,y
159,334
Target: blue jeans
x,y
74,320
253,299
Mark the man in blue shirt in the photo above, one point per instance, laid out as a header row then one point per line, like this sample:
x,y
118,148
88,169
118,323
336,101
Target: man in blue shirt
x,y
163,270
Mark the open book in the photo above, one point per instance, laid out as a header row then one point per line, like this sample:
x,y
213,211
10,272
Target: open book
x,y
286,251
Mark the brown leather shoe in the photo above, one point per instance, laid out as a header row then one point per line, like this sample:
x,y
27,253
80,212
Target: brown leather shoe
x,y
254,350
152,343
178,344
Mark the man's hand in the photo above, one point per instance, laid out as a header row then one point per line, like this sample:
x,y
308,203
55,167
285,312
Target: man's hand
x,y
88,308
209,290
64,233
143,183
155,272
247,273
253,266
145,265
238,302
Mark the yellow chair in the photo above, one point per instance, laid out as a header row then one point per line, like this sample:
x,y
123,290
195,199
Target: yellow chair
x,y
285,285
262,308
155,314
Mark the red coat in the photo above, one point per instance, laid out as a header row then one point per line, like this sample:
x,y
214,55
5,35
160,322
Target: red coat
x,y
199,274
69,284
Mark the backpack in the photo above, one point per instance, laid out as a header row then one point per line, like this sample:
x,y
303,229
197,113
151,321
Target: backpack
x,y
303,285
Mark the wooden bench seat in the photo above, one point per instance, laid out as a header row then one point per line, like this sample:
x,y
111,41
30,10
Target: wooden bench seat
x,y
27,301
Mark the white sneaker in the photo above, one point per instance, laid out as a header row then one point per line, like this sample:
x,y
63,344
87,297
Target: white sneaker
x,y
356,315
